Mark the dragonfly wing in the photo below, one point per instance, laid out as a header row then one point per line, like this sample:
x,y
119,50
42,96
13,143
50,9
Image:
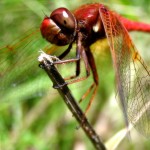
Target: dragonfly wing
x,y
20,76
132,75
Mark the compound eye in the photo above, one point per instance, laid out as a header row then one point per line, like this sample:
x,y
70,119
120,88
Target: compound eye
x,y
63,18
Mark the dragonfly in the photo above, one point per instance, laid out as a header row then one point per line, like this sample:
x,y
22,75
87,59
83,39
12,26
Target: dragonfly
x,y
95,21
83,27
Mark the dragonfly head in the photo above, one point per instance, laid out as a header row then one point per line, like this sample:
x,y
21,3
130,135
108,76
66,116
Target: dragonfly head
x,y
60,27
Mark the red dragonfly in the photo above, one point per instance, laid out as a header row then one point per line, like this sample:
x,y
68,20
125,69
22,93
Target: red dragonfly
x,y
89,23
84,26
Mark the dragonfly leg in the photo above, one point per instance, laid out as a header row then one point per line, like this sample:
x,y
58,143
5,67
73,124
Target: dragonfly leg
x,y
87,66
77,72
94,86
80,52
76,60
65,52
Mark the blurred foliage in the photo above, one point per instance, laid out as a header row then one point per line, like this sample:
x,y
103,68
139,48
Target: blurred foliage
x,y
32,114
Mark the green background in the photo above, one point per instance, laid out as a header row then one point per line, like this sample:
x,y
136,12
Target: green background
x,y
32,114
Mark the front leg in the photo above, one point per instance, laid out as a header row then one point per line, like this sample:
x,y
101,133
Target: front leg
x,y
65,52
80,52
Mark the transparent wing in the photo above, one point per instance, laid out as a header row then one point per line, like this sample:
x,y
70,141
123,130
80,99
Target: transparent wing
x,y
132,75
20,77
19,67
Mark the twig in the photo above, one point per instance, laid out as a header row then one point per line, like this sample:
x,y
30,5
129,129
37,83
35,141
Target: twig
x,y
46,62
